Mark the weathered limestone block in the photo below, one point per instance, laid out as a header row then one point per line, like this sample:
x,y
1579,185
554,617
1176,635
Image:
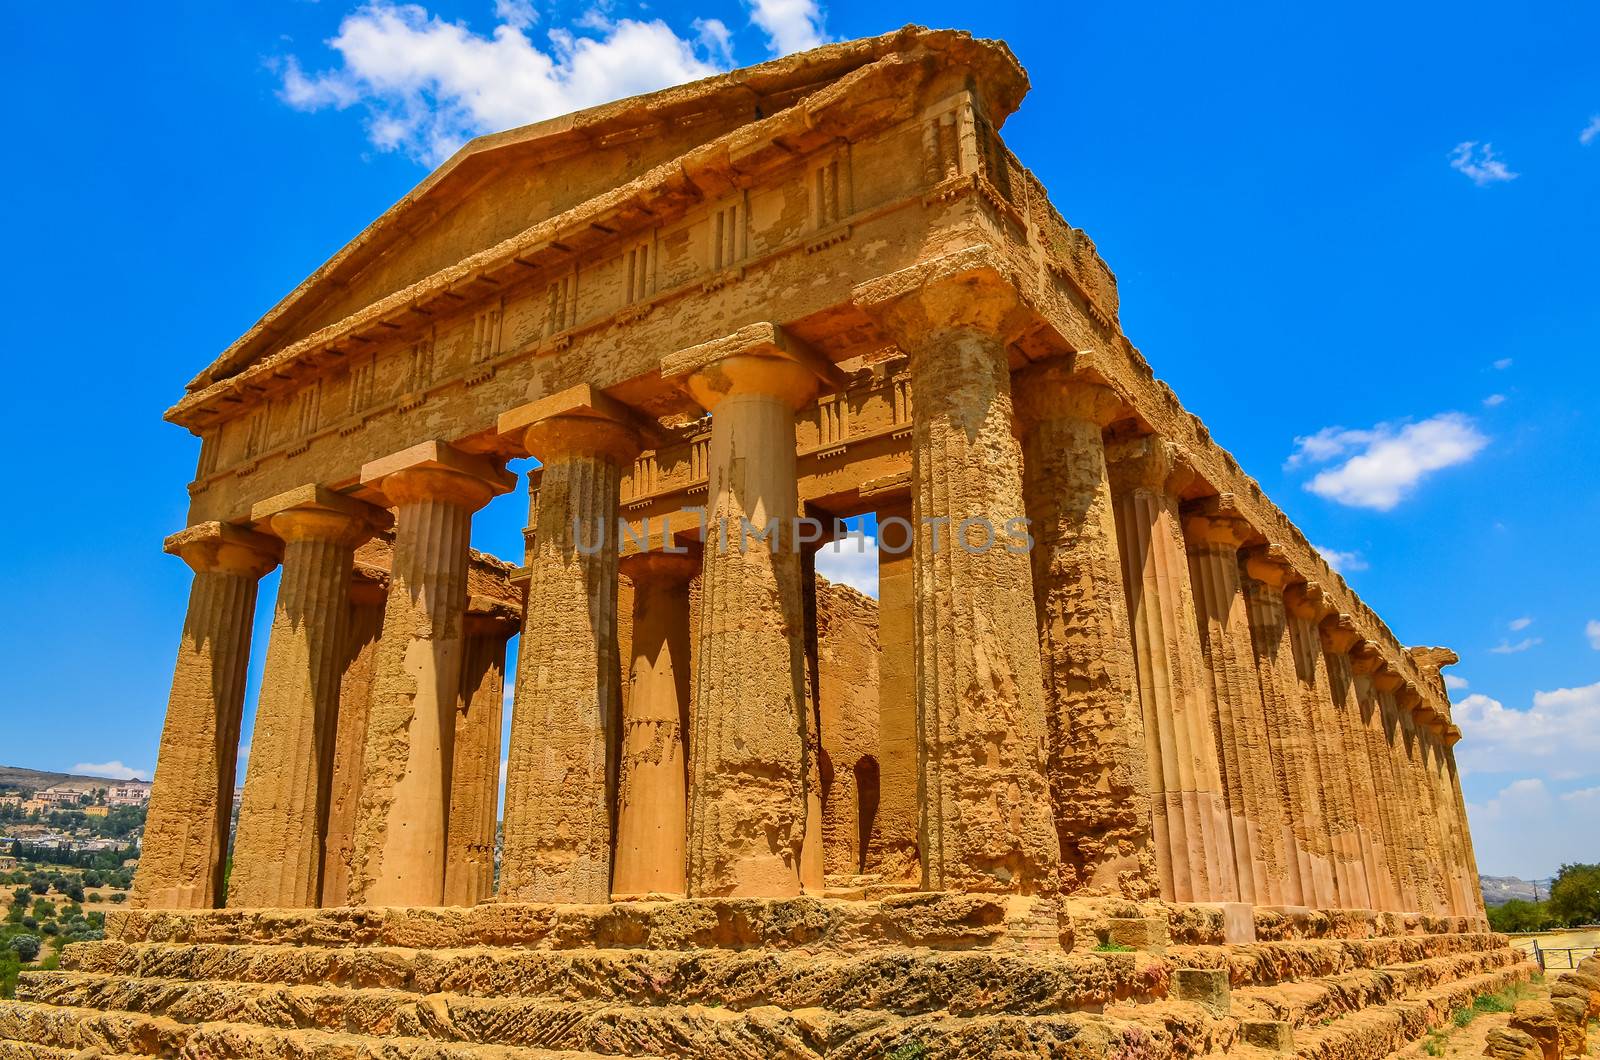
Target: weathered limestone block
x,y
1506,1043
1381,758
363,624
185,846
847,697
1413,824
1307,609
1588,983
399,856
560,773
652,795
1308,864
1214,537
1189,813
987,821
277,858
1098,783
1433,895
1204,986
1276,1036
1539,1021
475,759
1572,1015
749,767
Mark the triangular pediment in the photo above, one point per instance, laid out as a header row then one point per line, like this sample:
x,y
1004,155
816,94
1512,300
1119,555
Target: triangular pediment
x,y
502,184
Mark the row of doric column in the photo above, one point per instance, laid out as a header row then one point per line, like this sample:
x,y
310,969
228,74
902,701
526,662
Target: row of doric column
x,y
1115,685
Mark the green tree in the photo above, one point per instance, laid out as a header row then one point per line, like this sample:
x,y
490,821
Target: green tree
x,y
1519,915
1575,895
26,947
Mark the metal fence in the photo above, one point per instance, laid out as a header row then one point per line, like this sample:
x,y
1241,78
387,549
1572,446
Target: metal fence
x,y
1558,958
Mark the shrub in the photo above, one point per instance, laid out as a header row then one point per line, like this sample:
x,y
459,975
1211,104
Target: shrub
x,y
26,947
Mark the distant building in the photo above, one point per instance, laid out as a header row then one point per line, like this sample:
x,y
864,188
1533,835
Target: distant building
x,y
59,797
129,795
97,811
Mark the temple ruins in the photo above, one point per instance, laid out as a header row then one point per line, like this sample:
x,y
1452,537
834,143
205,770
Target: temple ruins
x,y
1113,760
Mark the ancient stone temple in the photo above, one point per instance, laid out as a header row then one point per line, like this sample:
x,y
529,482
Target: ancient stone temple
x,y
1115,765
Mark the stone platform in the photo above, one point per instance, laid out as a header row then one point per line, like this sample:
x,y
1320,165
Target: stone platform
x,y
906,976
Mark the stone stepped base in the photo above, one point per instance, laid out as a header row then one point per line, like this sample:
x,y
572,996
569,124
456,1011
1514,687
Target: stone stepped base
x,y
905,976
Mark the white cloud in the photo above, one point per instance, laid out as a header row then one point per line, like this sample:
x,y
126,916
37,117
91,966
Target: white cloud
x,y
1342,562
1592,631
1517,625
1525,830
242,768
715,38
1386,462
851,560
1493,400
790,25
1558,736
1505,647
112,770
1479,164
1454,683
1591,132
1502,364
518,13
428,85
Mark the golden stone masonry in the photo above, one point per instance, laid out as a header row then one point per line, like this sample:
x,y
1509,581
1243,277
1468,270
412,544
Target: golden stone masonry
x,y
1158,785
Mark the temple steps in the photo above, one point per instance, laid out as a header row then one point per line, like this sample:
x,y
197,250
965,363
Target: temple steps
x,y
1381,1030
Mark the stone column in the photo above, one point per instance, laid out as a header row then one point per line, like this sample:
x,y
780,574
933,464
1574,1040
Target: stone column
x,y
1366,662
813,861
1338,638
1449,822
652,783
1299,781
1099,786
561,771
1214,537
895,854
277,857
1433,895
475,761
363,625
1471,885
185,847
987,821
1413,850
748,747
400,832
1190,821
1306,611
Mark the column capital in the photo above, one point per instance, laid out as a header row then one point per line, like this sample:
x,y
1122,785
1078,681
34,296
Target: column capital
x,y
757,359
661,566
1269,564
1409,698
1452,735
437,471
1339,633
1386,680
1063,389
1365,659
1148,462
1306,600
488,615
223,548
580,420
972,288
316,512
1216,521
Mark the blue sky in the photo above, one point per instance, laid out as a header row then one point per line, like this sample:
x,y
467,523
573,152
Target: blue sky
x,y
1359,242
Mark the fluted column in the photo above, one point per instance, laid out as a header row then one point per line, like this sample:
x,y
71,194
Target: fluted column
x,y
748,746
1309,865
1191,830
1436,896
1472,887
1366,663
1306,611
185,846
1100,790
894,852
475,760
399,854
277,858
1338,636
1413,847
561,770
1450,823
987,821
652,783
1214,538
363,626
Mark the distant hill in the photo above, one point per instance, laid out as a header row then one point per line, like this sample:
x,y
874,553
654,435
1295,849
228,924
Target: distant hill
x,y
1498,890
14,778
